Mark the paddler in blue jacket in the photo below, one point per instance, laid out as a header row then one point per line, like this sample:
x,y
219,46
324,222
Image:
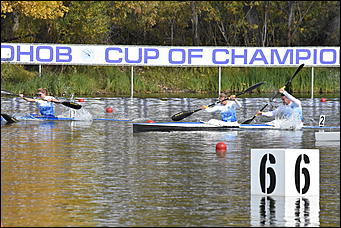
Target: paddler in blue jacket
x,y
227,108
45,102
290,109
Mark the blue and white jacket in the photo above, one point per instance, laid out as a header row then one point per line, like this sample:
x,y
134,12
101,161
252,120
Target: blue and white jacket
x,y
46,108
228,111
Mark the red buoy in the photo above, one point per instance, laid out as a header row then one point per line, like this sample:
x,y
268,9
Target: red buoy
x,y
323,100
150,121
221,146
220,149
80,100
109,110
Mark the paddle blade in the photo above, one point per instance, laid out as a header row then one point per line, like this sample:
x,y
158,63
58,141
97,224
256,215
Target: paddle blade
x,y
248,121
181,115
250,88
294,75
8,93
9,118
71,105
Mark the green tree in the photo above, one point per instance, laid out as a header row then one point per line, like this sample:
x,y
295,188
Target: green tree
x,y
133,21
87,22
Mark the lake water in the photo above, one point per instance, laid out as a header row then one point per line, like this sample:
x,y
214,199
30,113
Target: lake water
x,y
100,173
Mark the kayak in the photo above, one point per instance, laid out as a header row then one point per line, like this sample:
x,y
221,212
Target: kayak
x,y
206,126
35,117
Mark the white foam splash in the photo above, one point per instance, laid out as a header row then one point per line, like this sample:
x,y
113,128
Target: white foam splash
x,y
77,114
293,122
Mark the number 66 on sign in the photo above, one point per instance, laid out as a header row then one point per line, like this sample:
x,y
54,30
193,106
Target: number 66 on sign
x,y
285,172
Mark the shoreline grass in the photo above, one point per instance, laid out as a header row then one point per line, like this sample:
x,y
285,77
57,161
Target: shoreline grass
x,y
150,81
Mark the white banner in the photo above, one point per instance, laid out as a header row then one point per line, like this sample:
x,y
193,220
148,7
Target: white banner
x,y
72,54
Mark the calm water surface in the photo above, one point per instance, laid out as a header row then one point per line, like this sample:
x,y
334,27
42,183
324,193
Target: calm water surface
x,y
100,173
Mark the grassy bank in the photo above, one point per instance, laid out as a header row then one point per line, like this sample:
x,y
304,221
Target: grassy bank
x,y
115,81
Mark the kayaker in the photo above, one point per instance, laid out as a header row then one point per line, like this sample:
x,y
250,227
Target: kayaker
x,y
227,108
290,109
44,102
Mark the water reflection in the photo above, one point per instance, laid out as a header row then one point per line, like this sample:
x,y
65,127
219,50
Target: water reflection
x,y
284,211
328,144
98,173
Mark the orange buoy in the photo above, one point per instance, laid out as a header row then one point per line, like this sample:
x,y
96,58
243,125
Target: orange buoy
x,y
80,100
150,121
109,110
323,99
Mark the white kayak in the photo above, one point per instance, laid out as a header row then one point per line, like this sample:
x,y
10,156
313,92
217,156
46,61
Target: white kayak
x,y
212,125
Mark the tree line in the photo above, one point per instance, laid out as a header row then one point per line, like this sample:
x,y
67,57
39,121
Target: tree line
x,y
173,23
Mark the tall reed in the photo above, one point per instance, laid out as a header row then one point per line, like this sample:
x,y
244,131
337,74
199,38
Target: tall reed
x,y
109,80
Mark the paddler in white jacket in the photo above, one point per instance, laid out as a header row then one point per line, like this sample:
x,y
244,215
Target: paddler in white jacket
x,y
290,109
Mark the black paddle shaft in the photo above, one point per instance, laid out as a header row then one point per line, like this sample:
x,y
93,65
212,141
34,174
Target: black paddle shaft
x,y
237,95
245,91
65,103
289,81
182,115
250,120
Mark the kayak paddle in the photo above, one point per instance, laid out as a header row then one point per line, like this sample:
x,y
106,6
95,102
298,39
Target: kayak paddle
x,y
184,114
65,103
271,99
9,118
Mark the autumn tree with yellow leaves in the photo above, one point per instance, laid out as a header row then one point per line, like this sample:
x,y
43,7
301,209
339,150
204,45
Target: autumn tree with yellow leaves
x,y
180,23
